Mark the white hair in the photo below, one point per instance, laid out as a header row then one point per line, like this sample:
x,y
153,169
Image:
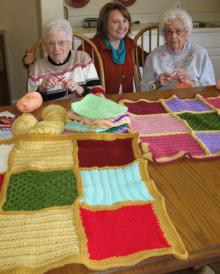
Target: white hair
x,y
176,14
56,25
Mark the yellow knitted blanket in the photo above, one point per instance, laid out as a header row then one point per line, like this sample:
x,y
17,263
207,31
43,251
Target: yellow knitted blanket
x,y
81,198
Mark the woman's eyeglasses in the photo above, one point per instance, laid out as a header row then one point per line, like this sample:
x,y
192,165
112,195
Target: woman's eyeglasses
x,y
178,32
59,43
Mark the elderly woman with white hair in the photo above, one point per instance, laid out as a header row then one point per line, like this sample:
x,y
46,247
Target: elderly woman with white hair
x,y
64,72
179,62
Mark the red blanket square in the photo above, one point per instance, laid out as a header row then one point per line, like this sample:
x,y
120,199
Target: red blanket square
x,y
144,107
1,180
214,101
102,153
122,232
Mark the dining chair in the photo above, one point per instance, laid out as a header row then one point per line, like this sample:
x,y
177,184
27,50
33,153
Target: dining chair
x,y
145,40
79,40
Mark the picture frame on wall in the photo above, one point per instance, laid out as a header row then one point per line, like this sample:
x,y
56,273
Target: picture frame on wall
x,y
126,3
77,3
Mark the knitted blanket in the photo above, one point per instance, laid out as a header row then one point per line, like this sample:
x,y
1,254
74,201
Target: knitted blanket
x,y
175,128
80,198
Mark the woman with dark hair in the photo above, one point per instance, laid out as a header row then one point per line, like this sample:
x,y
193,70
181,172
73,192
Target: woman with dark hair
x,y
115,47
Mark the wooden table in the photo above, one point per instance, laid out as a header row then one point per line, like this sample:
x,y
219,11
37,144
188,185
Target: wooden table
x,y
192,195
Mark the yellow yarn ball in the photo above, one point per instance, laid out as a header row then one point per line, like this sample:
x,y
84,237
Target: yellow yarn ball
x,y
53,122
23,123
54,113
47,128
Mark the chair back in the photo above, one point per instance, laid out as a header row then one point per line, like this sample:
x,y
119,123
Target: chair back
x,y
145,40
78,40
81,40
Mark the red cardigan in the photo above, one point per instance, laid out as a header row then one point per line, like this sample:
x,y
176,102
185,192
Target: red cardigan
x,y
115,74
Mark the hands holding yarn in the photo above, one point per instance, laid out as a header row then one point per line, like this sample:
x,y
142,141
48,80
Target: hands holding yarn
x,y
179,76
69,84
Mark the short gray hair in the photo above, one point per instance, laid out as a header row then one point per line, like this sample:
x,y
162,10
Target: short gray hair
x,y
176,14
56,25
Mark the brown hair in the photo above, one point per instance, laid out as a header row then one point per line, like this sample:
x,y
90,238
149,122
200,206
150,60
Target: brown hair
x,y
104,16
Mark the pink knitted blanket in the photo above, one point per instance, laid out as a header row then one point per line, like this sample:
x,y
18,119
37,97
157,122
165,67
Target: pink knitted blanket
x,y
175,128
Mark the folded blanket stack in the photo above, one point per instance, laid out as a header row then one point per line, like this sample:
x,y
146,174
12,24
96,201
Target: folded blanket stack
x,y
97,114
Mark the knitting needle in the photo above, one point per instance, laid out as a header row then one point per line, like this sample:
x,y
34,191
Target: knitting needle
x,y
60,79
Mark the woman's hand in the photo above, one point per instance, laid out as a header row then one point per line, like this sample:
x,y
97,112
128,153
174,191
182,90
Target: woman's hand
x,y
49,83
71,85
181,76
28,58
178,75
165,78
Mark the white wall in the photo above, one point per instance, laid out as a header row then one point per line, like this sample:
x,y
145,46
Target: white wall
x,y
149,10
51,9
19,20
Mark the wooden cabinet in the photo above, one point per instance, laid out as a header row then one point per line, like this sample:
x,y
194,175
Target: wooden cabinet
x,y
4,88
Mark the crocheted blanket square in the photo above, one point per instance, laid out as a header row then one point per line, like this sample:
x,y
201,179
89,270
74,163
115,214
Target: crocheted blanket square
x,y
156,124
109,186
1,180
102,153
44,155
144,107
202,121
186,128
178,105
33,190
215,102
40,240
112,233
167,147
60,204
210,140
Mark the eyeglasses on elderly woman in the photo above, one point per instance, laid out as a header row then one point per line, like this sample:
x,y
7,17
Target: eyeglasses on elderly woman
x,y
178,32
59,43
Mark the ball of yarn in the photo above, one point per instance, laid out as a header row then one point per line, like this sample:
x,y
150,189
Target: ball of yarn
x,y
47,128
53,122
54,113
29,102
23,124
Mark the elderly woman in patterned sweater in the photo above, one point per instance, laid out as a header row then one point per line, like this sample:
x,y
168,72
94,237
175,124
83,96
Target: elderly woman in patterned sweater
x,y
179,62
64,72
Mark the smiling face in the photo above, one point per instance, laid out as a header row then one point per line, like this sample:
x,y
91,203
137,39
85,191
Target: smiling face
x,y
117,26
175,35
58,46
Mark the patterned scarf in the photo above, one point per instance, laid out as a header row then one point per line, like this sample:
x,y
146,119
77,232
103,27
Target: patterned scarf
x,y
118,56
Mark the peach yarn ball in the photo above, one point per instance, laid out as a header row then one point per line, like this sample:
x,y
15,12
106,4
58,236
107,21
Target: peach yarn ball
x,y
29,102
